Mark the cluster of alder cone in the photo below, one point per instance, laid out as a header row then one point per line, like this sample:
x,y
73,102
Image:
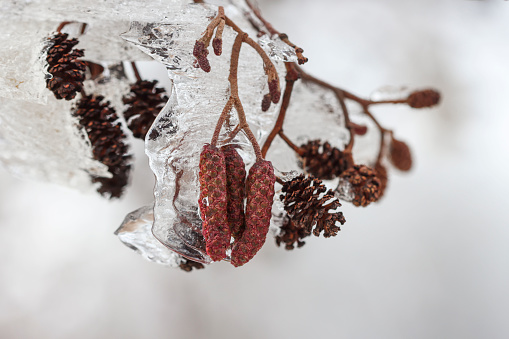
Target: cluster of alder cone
x,y
232,206
236,210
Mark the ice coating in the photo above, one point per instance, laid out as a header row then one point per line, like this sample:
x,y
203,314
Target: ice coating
x,y
136,233
187,121
43,142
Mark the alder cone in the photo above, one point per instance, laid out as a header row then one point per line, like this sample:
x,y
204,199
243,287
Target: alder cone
x,y
260,194
400,155
323,161
213,205
366,184
107,139
235,189
67,71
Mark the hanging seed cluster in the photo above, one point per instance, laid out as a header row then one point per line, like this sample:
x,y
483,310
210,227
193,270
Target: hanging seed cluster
x,y
323,161
223,189
108,143
213,202
311,208
260,195
145,101
67,71
235,189
365,182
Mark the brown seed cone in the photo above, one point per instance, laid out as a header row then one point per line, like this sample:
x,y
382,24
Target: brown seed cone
x,y
308,204
365,183
145,101
424,98
400,155
260,194
188,265
213,205
235,189
291,234
324,161
108,143
68,72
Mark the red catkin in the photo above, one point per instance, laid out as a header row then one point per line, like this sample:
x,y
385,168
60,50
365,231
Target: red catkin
x,y
235,190
266,102
274,90
217,45
213,205
260,194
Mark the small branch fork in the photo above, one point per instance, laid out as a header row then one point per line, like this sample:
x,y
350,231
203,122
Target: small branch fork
x,y
293,73
234,101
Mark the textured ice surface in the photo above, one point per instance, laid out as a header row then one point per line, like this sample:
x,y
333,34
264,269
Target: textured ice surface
x,y
187,121
43,142
136,233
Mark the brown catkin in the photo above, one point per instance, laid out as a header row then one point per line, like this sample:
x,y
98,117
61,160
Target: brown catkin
x,y
400,155
213,205
424,98
235,189
260,194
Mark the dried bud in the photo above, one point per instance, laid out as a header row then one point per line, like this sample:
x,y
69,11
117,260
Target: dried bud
x,y
200,53
309,204
366,184
213,206
217,45
358,129
424,98
204,63
260,194
274,90
145,101
266,102
68,72
235,189
400,155
199,49
324,161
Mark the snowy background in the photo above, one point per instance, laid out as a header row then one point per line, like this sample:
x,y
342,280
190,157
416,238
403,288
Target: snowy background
x,y
429,261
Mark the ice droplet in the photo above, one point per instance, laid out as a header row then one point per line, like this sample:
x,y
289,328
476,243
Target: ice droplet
x,y
277,49
344,191
136,233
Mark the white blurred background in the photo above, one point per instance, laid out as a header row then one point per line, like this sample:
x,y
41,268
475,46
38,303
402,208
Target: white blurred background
x,y
429,261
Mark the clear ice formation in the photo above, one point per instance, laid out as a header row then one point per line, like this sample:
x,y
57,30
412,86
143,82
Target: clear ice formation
x,y
136,233
39,139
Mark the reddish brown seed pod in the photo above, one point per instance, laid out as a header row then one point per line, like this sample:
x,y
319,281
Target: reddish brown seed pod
x,y
213,202
217,45
260,194
235,190
274,90
400,155
424,98
266,102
